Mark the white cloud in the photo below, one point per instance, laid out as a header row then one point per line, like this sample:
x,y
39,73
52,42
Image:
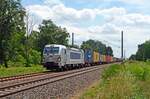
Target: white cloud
x,y
137,2
63,14
52,2
105,29
135,25
43,12
113,11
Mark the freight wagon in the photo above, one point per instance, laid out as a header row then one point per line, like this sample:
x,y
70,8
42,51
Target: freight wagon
x,y
103,59
108,58
91,57
88,57
96,59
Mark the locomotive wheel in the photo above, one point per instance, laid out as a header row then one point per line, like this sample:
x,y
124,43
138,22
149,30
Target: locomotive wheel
x,y
60,69
48,68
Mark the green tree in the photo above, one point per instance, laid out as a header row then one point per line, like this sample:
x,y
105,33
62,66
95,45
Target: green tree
x,y
97,46
143,52
109,51
132,57
51,34
33,39
11,21
16,46
34,57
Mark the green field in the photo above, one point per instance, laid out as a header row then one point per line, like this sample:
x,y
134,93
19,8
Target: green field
x,y
20,70
130,80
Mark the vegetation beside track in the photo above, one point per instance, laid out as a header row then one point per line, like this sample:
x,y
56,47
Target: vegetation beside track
x,y
20,70
130,80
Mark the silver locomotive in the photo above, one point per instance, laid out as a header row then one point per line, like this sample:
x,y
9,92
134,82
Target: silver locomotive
x,y
61,57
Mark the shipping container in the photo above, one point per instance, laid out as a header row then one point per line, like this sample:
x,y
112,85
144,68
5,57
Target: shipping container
x,y
95,57
104,58
108,58
100,58
111,59
88,56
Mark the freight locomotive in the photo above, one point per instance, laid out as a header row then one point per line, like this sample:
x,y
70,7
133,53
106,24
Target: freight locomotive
x,y
61,57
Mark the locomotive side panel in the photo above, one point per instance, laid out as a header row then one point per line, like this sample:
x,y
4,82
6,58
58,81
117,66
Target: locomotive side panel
x,y
75,56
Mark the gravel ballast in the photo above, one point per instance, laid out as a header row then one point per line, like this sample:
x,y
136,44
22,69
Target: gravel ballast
x,y
61,89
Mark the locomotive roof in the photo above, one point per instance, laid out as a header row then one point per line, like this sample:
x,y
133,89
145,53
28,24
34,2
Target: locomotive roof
x,y
62,46
55,45
75,49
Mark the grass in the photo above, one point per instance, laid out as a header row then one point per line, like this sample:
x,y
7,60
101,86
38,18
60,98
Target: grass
x,y
130,80
20,70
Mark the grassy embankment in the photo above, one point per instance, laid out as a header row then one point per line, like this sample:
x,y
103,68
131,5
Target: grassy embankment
x,y
127,81
20,70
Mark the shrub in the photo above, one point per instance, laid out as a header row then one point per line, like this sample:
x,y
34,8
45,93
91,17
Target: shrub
x,y
35,57
18,60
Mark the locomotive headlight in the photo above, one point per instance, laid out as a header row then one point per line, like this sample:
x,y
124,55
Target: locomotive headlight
x,y
59,59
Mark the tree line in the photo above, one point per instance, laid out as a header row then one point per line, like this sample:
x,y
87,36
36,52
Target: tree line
x,y
97,46
143,52
17,47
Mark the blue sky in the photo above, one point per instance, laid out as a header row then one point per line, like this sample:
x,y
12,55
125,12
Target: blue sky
x,y
80,4
97,19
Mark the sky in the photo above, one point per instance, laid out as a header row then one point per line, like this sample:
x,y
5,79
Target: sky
x,y
101,20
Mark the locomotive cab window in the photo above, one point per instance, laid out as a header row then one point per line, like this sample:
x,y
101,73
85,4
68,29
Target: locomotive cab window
x,y
51,50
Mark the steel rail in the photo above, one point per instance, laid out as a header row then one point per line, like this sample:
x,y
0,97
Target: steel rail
x,y
12,89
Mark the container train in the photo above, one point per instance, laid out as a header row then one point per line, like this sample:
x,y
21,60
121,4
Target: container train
x,y
61,57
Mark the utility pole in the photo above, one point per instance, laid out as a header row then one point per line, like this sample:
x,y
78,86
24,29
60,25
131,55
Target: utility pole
x,y
26,43
124,54
121,44
72,39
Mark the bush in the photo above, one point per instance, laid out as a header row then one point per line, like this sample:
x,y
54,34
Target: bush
x,y
18,60
34,57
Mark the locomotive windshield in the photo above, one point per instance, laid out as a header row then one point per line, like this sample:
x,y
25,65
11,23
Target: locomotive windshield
x,y
51,50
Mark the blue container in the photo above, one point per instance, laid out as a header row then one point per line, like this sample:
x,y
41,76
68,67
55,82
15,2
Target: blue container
x,y
88,56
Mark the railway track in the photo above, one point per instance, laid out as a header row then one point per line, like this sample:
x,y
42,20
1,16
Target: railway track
x,y
11,78
13,88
